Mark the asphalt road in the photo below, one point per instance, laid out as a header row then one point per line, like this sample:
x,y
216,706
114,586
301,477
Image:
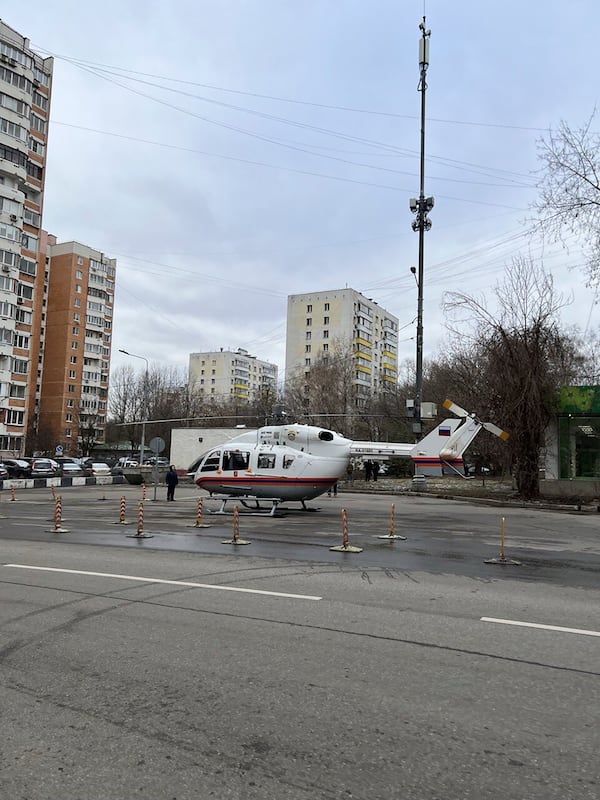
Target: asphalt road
x,y
181,667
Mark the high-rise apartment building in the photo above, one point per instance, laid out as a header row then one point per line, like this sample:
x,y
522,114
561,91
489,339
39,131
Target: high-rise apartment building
x,y
231,375
25,89
321,322
78,334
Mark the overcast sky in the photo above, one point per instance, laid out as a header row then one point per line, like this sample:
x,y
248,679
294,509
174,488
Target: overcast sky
x,y
231,152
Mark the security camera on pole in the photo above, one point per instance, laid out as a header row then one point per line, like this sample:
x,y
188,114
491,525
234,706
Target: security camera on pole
x,y
421,206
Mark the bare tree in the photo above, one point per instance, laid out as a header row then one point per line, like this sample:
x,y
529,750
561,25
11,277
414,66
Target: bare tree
x,y
523,360
569,201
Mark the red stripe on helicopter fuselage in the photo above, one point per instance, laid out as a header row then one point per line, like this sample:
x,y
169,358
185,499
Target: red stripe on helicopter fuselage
x,y
258,480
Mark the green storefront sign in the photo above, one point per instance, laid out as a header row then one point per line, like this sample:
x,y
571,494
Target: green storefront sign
x,y
579,433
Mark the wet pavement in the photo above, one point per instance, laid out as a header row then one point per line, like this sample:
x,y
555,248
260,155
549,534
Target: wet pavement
x,y
443,536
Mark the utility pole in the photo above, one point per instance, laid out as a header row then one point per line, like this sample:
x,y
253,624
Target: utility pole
x,y
421,207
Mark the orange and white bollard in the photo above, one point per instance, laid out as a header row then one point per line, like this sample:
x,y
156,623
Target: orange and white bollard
x,y
236,529
502,559
199,511
140,525
52,489
392,534
58,528
143,492
122,509
346,547
12,492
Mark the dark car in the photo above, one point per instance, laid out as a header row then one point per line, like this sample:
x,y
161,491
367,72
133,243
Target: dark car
x,y
17,467
3,473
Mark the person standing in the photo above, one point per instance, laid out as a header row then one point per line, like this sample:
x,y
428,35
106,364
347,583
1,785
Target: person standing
x,y
375,470
171,480
368,469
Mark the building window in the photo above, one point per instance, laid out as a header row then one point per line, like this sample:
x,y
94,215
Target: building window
x,y
68,432
69,417
75,331
79,274
74,345
307,362
326,306
307,349
73,359
70,403
308,322
325,348
71,388
325,320
308,335
77,302
80,260
326,334
72,373
308,309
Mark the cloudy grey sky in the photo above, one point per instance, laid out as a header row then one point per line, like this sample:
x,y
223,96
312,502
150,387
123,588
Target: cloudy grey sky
x,y
231,152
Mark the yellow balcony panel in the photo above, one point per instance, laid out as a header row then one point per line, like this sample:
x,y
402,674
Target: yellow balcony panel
x,y
362,368
391,356
366,342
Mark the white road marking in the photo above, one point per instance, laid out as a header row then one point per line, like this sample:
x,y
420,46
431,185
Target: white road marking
x,y
188,584
581,631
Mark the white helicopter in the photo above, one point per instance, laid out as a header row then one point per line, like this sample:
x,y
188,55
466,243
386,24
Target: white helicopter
x,y
280,463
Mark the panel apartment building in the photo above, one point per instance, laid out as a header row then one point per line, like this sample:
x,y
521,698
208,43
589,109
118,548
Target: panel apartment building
x,y
25,89
320,322
78,334
231,375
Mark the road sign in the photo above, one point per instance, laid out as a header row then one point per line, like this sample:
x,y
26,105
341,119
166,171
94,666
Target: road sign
x,y
157,445
58,450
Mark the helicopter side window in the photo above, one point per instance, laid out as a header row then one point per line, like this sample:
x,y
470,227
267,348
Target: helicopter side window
x,y
266,461
212,462
235,459
288,461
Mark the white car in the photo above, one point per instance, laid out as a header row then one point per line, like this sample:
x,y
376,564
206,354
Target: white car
x,y
96,469
127,462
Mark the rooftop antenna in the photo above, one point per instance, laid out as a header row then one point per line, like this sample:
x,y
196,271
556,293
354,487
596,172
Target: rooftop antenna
x,y
421,207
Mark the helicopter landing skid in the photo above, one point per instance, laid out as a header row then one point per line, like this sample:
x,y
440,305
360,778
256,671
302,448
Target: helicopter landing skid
x,y
253,505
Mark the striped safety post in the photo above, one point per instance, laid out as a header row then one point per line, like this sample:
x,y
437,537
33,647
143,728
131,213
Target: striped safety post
x,y
345,547
392,534
58,528
139,534
199,513
12,492
122,509
502,558
52,489
143,491
236,525
236,529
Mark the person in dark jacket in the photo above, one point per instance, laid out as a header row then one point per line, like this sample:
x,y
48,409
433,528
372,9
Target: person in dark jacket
x,y
171,480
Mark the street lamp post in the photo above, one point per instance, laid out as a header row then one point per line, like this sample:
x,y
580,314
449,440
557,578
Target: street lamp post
x,y
144,402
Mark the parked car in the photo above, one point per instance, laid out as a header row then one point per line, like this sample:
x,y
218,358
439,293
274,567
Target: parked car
x,y
159,461
97,468
17,467
44,468
72,469
3,473
126,461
